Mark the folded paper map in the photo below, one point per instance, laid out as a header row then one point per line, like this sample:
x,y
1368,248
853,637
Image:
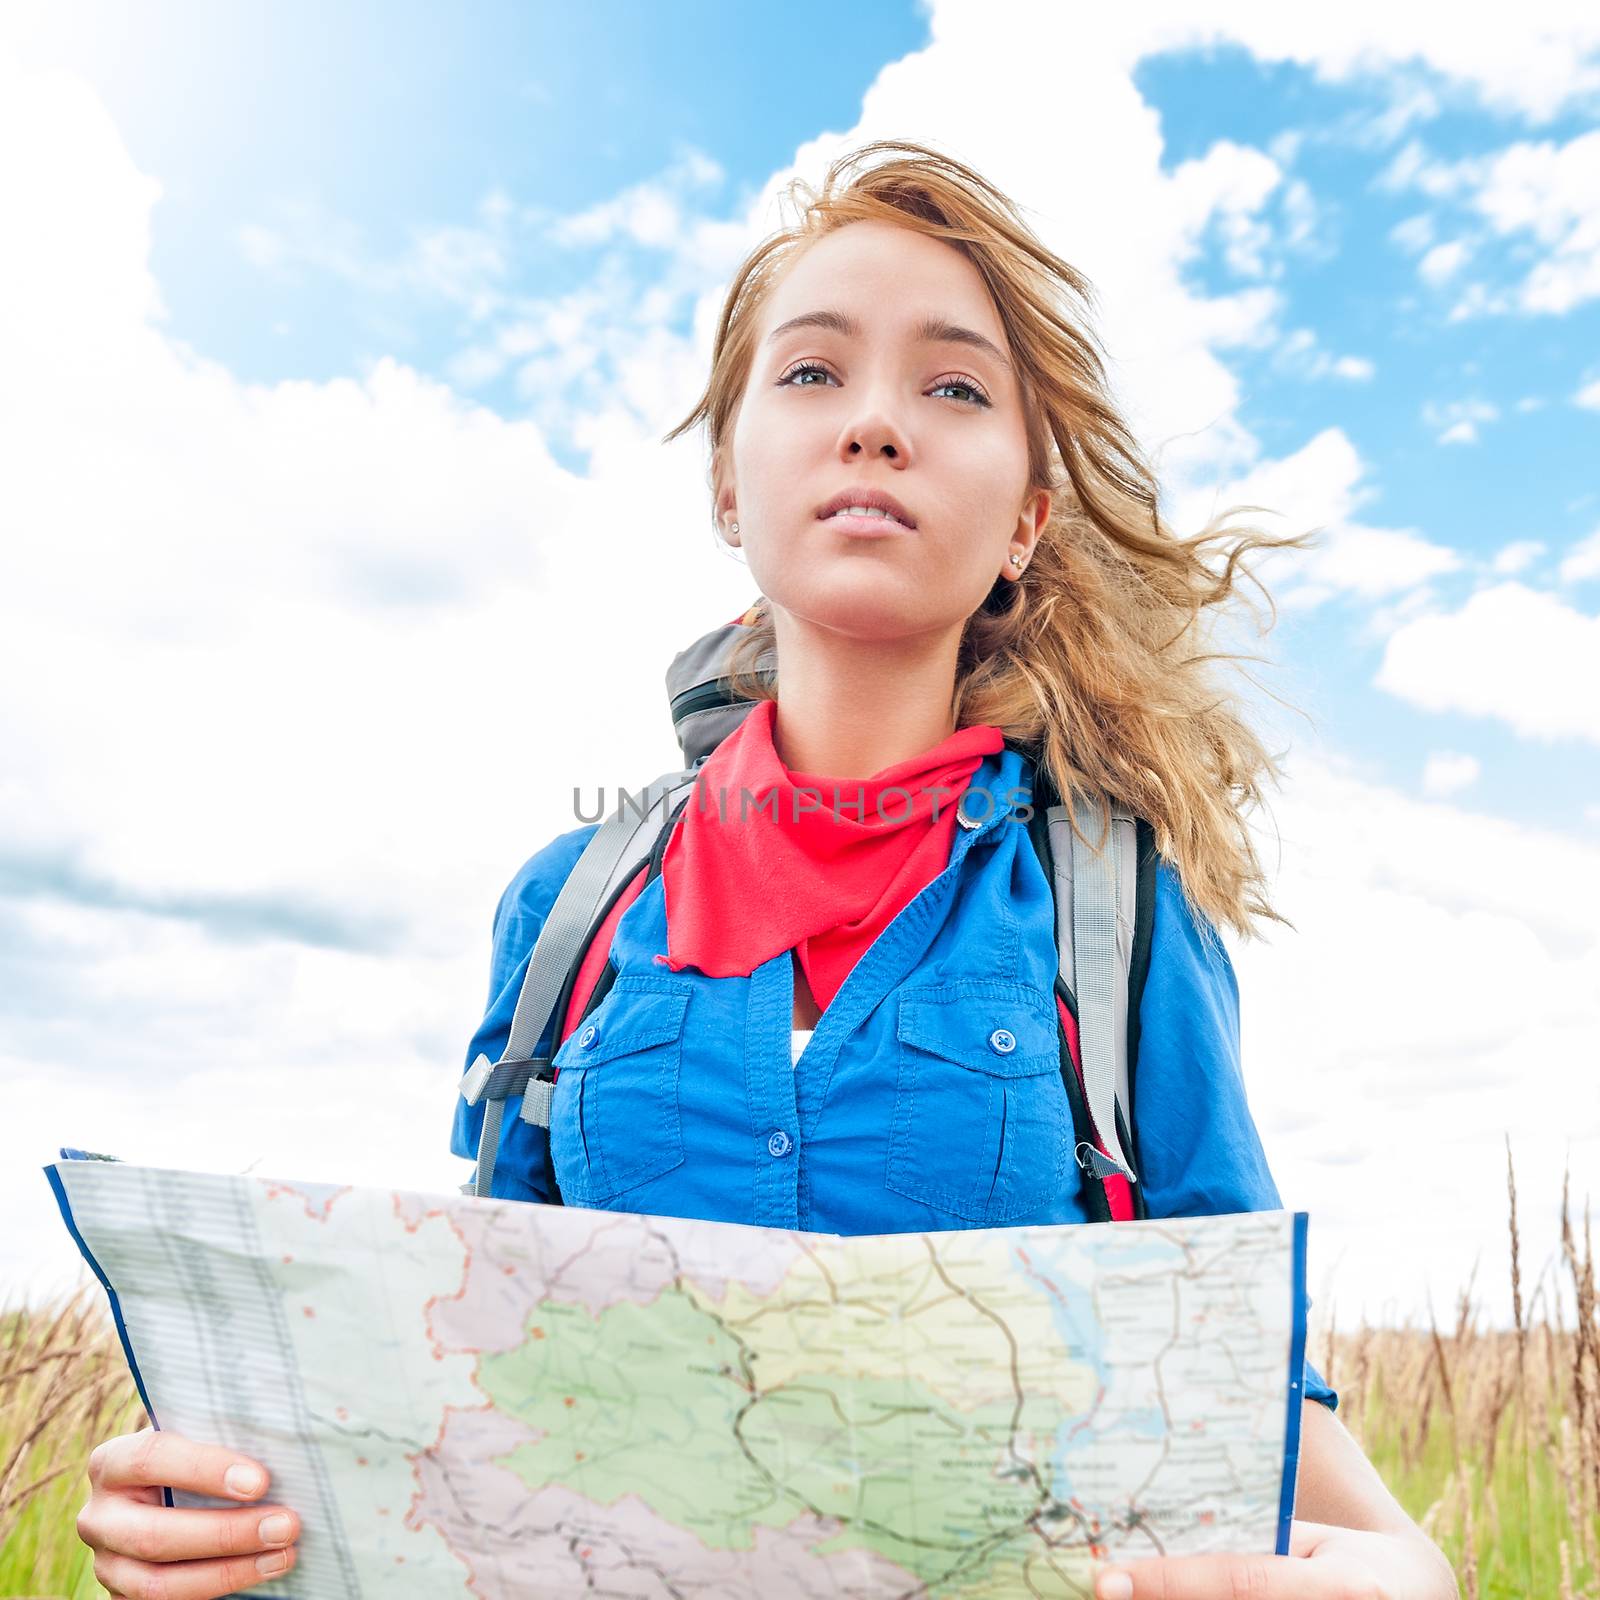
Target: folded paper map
x,y
469,1397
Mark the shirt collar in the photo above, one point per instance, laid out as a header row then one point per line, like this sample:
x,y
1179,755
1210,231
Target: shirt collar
x,y
1003,781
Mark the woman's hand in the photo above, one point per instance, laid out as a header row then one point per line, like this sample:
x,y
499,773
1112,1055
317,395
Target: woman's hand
x,y
1323,1564
143,1547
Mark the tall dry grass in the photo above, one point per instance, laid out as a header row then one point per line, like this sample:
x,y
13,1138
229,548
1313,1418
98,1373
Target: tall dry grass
x,y
1489,1438
64,1386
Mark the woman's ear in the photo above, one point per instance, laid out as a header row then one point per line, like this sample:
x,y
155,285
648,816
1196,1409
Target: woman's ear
x,y
725,504
1031,522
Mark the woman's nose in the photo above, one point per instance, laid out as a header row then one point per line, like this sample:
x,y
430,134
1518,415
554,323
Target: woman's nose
x,y
874,434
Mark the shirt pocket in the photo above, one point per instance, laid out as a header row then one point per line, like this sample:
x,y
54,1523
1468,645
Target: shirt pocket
x,y
614,1116
981,1126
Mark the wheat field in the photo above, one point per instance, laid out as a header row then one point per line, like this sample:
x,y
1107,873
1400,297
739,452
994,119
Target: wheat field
x,y
1490,1439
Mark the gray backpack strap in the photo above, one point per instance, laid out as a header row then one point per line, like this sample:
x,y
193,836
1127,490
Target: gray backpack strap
x,y
612,855
1096,900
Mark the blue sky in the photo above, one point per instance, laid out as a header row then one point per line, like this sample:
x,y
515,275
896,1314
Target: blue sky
x,y
304,152
337,349
374,122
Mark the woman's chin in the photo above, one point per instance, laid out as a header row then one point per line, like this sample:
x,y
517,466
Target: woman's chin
x,y
865,611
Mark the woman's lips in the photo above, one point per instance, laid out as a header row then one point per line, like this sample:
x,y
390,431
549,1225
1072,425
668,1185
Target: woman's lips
x,y
869,526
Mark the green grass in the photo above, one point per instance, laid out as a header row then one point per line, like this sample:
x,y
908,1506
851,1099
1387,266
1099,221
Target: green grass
x,y
1522,1512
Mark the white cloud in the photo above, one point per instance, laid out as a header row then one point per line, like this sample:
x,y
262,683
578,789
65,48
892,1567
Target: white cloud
x,y
296,675
1303,219
466,266
1410,102
1443,261
1299,353
1445,979
1448,772
1588,396
1516,654
1414,234
1458,420
1535,61
650,213
1320,487
1539,195
1516,556
1582,560
1374,562
296,662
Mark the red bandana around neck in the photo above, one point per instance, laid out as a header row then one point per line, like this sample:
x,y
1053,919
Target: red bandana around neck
x,y
800,871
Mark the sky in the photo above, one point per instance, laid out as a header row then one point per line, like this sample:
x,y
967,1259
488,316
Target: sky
x,y
337,540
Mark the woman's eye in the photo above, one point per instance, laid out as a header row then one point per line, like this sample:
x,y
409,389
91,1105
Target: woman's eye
x,y
804,366
978,396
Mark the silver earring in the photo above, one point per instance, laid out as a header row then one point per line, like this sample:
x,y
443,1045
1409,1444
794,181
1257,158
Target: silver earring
x,y
1016,561
734,526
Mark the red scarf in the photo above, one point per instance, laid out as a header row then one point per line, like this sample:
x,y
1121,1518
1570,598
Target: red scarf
x,y
824,881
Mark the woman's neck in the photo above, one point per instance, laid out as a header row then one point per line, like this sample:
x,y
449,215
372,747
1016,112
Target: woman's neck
x,y
851,707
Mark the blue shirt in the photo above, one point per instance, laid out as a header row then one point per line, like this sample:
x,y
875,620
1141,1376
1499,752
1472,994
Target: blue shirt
x,y
930,1094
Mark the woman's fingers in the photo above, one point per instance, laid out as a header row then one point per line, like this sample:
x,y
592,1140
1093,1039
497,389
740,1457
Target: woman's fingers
x,y
138,1460
189,1580
143,1548
128,1527
1225,1578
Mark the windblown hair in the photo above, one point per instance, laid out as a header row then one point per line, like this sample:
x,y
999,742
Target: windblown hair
x,y
1095,661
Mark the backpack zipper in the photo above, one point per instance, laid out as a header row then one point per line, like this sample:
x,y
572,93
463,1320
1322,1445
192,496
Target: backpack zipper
x,y
703,697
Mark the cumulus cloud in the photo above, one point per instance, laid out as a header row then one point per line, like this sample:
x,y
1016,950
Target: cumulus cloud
x,y
1447,772
1469,955
296,675
1443,261
1582,560
1415,234
1518,655
1319,488
1516,556
1538,195
1535,63
1300,354
1457,421
296,648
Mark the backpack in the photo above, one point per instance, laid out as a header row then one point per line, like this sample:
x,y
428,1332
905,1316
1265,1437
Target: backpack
x,y
1104,903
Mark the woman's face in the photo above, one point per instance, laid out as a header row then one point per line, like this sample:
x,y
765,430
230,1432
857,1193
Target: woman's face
x,y
873,402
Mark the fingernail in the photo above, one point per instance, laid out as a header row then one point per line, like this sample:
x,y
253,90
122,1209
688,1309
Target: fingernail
x,y
241,1479
275,1529
276,1562
1114,1586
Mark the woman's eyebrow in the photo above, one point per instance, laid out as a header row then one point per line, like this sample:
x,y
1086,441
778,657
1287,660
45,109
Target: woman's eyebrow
x,y
931,330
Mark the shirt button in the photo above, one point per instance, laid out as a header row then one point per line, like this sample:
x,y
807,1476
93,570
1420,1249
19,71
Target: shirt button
x,y
586,1039
779,1143
1002,1041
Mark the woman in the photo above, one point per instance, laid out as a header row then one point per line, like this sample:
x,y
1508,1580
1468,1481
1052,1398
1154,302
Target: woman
x,y
1023,610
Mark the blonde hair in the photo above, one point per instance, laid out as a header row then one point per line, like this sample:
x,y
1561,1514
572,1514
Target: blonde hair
x,y
1095,660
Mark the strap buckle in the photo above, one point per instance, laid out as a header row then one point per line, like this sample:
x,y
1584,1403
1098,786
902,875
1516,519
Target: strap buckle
x,y
475,1079
499,1080
1099,1165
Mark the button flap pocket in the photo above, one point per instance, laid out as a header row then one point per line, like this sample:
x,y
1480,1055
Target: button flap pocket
x,y
1008,1030
639,1013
